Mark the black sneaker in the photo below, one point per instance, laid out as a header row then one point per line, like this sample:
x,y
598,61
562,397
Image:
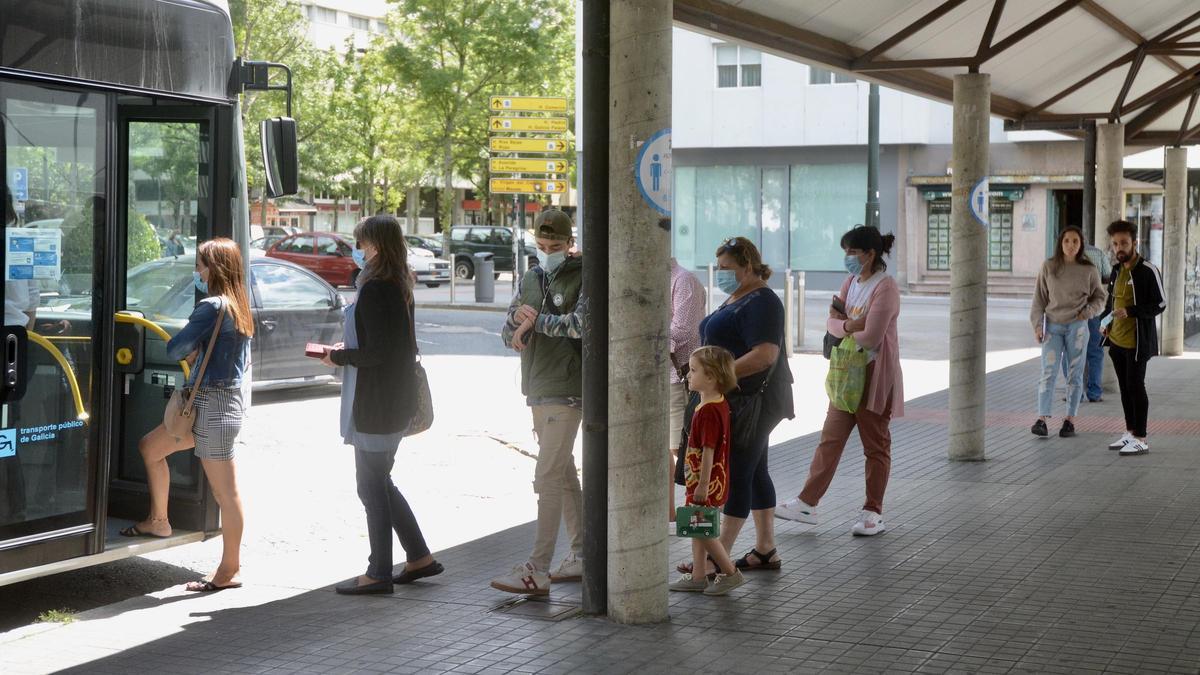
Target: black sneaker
x,y
1067,430
1039,428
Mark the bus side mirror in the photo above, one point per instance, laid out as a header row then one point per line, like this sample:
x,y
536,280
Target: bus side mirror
x,y
280,156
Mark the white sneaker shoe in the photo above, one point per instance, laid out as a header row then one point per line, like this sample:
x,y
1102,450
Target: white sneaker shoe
x,y
794,509
570,569
524,579
723,583
1135,447
869,524
1120,442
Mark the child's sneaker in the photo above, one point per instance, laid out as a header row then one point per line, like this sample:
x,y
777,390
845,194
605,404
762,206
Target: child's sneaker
x,y
723,583
869,524
570,569
686,584
797,510
524,579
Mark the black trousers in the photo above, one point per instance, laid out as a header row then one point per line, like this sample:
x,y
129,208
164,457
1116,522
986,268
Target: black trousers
x,y
387,510
1131,377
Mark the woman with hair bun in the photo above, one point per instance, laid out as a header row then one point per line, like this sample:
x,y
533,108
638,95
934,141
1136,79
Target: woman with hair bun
x,y
867,308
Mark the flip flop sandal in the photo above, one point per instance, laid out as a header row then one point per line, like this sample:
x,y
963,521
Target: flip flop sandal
x,y
133,531
764,561
408,576
209,587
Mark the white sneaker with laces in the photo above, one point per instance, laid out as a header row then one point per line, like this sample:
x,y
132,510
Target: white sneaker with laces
x,y
1135,447
868,525
797,510
1121,442
570,569
524,579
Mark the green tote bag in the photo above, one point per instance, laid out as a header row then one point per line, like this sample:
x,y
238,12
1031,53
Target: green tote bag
x,y
847,375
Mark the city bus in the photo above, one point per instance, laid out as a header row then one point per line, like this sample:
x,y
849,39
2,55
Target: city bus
x,y
121,143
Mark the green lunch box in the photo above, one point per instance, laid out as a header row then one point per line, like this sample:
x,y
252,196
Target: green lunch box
x,y
698,522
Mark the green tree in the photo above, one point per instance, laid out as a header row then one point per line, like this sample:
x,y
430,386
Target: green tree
x,y
79,242
453,54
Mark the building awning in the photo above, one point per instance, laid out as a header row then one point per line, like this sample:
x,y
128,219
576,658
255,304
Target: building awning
x,y
1053,65
1013,193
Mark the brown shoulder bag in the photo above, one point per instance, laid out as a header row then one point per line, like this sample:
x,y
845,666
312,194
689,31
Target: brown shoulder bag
x,y
178,418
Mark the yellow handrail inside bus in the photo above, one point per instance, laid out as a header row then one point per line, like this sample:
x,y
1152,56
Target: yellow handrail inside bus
x,y
157,330
67,370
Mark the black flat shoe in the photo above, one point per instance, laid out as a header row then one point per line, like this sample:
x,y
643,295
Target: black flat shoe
x,y
1067,430
408,576
352,587
1039,428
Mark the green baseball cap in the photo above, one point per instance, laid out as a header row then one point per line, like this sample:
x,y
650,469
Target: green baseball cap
x,y
553,224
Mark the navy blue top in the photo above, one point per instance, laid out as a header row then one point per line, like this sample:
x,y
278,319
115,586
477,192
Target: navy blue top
x,y
230,356
742,325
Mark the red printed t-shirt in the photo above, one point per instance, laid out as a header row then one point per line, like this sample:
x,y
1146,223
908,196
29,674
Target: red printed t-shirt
x,y
710,429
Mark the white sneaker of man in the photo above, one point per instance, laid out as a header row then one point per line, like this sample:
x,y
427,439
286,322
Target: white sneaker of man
x,y
1121,442
1135,447
869,524
524,579
795,509
570,569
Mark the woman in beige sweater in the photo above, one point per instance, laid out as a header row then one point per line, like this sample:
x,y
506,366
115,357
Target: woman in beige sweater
x,y
1068,293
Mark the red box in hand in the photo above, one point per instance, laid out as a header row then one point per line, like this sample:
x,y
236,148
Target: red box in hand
x,y
317,350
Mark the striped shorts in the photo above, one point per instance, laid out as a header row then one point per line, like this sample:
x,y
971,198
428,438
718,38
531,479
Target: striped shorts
x,y
218,419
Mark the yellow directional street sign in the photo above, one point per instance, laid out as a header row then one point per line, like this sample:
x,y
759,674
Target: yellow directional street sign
x,y
507,144
529,103
510,186
527,165
501,124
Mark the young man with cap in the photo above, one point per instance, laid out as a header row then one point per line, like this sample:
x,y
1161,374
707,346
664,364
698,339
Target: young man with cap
x,y
545,324
1135,298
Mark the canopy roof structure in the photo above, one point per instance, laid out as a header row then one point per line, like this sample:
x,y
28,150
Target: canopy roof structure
x,y
1054,64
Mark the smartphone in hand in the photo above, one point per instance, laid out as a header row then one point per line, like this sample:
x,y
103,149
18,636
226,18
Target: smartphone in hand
x,y
838,305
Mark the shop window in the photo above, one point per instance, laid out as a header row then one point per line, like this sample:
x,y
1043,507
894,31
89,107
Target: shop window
x,y
1000,234
937,238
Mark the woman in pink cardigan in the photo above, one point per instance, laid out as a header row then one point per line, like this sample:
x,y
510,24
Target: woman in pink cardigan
x,y
871,301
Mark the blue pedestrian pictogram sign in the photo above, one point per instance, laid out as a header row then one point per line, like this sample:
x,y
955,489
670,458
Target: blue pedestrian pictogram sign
x,y
979,202
18,183
653,171
8,442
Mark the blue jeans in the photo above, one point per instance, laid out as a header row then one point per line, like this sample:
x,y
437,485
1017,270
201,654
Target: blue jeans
x,y
1069,340
386,510
1094,372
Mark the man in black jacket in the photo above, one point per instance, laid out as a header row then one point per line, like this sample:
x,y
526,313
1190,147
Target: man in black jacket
x,y
1135,298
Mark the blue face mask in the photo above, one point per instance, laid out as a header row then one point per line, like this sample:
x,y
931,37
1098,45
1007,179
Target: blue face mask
x,y
727,281
551,261
854,265
201,285
360,258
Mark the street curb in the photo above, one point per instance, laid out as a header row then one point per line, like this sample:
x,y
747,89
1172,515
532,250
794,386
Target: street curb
x,y
468,308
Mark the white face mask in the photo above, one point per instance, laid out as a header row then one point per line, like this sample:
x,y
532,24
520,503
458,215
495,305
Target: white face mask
x,y
551,261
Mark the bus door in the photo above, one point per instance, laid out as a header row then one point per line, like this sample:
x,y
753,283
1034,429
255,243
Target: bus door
x,y
53,430
166,168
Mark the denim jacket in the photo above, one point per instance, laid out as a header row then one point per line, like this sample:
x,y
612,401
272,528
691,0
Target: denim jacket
x,y
230,356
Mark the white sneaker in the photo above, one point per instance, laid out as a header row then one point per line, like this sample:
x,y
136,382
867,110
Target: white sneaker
x,y
797,510
524,579
1135,447
723,583
1120,442
672,528
570,569
869,524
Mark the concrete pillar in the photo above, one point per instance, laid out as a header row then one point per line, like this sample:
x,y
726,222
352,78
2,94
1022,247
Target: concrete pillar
x,y
1110,206
968,273
639,288
1174,248
1110,158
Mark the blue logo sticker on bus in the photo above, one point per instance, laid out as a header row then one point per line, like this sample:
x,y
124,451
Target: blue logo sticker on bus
x,y
8,442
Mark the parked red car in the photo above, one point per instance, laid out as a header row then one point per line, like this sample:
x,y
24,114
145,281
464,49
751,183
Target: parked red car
x,y
329,255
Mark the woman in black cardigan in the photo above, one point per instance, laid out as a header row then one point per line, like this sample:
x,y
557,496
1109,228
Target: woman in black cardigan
x,y
378,357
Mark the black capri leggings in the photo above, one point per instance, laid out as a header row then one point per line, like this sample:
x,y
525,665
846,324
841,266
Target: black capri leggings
x,y
750,484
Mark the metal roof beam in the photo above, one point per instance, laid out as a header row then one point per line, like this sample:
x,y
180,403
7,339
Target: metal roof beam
x,y
914,64
1111,20
1156,93
1129,78
989,33
1187,118
907,32
1165,102
1096,74
1029,29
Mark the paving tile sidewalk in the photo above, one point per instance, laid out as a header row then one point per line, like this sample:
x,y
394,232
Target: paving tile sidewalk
x,y
1054,555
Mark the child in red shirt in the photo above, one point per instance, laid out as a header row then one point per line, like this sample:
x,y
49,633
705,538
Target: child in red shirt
x,y
711,374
